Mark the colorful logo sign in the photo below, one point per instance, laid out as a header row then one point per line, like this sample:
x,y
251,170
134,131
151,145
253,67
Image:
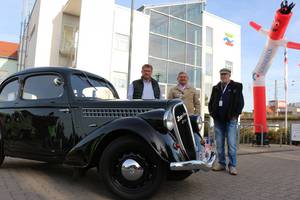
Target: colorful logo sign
x,y
229,39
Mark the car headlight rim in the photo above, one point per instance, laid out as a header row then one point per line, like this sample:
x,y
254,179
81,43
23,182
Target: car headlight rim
x,y
199,122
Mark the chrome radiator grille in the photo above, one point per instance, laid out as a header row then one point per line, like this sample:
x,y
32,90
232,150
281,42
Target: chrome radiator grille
x,y
183,130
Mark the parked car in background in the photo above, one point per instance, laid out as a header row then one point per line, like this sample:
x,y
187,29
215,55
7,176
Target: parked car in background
x,y
72,117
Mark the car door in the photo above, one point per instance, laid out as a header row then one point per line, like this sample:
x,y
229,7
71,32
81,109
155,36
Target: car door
x,y
90,95
8,100
45,116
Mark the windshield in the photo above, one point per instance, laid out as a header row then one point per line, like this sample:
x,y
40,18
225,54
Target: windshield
x,y
88,87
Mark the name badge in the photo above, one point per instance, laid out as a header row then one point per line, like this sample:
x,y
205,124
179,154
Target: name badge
x,y
220,103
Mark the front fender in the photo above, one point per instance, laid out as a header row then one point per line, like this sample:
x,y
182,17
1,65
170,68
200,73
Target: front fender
x,y
83,154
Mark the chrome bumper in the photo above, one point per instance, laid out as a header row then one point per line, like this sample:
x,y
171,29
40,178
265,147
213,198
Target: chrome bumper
x,y
205,164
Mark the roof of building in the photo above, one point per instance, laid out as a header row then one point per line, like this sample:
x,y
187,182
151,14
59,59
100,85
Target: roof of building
x,y
9,50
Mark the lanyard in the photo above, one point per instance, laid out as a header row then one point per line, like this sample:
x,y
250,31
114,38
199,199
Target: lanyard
x,y
224,90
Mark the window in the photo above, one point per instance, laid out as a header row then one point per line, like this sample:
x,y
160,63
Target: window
x,y
121,42
191,74
164,9
209,37
69,40
159,23
177,51
197,77
194,34
68,37
163,91
84,87
32,31
209,64
177,29
159,69
193,56
173,70
119,80
10,91
229,65
194,74
43,87
158,46
178,11
194,13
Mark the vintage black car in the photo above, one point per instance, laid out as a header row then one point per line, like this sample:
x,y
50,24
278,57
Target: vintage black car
x,y
72,117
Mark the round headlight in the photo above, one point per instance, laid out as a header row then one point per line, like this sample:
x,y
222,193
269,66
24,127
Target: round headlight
x,y
168,120
199,122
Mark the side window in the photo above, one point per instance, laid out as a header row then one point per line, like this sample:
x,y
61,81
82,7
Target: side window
x,y
43,87
10,91
91,88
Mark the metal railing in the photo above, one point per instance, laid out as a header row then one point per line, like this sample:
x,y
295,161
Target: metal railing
x,y
261,130
210,133
254,126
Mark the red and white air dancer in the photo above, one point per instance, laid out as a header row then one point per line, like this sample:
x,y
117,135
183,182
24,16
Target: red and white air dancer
x,y
275,40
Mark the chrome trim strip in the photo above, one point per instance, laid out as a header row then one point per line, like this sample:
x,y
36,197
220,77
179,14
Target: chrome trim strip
x,y
191,129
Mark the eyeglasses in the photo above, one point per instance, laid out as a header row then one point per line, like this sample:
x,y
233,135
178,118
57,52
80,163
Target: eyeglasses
x,y
223,74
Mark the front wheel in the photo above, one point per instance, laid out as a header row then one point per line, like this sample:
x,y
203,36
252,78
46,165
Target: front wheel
x,y
131,169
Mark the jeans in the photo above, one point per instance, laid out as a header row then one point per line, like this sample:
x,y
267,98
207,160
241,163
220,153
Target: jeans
x,y
226,129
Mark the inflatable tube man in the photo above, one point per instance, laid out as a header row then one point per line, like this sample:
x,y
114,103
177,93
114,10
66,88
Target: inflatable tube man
x,y
274,40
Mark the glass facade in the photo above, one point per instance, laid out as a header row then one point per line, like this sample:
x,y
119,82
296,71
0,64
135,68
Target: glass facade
x,y
177,29
194,34
194,13
158,47
159,24
176,43
178,11
177,51
208,64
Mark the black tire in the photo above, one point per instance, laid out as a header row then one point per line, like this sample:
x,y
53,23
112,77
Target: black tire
x,y
125,148
178,175
2,156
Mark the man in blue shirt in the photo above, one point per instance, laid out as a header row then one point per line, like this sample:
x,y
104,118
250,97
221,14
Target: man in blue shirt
x,y
145,87
225,105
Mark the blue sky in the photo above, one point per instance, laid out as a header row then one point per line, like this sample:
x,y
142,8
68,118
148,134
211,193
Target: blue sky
x,y
240,12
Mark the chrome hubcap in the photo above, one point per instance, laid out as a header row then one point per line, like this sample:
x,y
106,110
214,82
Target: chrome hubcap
x,y
131,170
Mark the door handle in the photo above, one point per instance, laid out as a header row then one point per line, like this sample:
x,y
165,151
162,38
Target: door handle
x,y
92,125
65,110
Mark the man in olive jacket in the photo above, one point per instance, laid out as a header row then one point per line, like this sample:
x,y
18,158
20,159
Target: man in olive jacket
x,y
225,105
187,93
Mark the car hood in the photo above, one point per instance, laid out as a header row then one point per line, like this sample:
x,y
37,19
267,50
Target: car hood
x,y
124,108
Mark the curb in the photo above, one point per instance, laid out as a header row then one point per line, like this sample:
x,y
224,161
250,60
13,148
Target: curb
x,y
270,151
